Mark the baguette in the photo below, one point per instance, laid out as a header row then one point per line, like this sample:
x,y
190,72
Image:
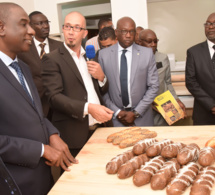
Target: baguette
x,y
113,165
206,156
172,150
160,180
145,173
183,179
128,169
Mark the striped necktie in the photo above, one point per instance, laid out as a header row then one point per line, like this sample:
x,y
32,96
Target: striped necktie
x,y
42,45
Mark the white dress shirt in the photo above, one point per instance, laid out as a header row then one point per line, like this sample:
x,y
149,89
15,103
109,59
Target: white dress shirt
x,y
37,44
88,83
128,55
211,49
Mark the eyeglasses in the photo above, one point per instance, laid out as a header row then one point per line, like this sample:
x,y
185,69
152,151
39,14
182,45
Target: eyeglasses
x,y
208,24
41,23
75,28
150,41
125,32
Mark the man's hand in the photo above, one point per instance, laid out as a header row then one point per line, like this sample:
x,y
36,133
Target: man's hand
x,y
213,110
126,118
100,113
95,70
57,143
182,106
154,104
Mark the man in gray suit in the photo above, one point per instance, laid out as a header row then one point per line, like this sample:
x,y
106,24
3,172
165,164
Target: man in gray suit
x,y
133,79
148,38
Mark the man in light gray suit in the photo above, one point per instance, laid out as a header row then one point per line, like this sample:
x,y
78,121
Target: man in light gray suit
x,y
133,79
148,38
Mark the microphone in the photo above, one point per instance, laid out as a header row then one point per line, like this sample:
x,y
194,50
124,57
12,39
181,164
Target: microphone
x,y
90,52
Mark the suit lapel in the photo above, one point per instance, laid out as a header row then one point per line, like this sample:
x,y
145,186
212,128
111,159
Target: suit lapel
x,y
70,63
13,81
33,50
115,65
134,63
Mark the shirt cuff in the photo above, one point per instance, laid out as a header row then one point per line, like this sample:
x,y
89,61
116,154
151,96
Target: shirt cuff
x,y
101,84
116,113
42,151
85,109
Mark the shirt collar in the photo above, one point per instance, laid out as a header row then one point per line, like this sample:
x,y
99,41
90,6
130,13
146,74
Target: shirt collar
x,y
120,48
37,43
210,44
72,52
6,59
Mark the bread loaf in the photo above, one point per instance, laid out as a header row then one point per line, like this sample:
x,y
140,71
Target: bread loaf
x,y
183,179
155,149
111,137
134,139
144,174
210,142
172,150
206,156
160,180
128,169
113,166
204,181
136,132
188,154
141,146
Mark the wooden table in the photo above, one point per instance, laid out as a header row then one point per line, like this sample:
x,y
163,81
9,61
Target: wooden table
x,y
90,178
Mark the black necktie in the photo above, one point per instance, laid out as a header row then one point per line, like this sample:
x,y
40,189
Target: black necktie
x,y
16,67
213,58
42,45
124,79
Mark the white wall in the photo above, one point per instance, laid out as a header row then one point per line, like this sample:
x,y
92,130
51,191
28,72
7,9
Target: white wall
x,y
136,9
179,24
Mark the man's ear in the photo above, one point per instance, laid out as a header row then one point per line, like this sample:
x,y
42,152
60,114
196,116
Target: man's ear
x,y
2,28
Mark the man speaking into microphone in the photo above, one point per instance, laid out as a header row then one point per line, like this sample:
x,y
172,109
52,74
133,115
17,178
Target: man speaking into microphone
x,y
74,87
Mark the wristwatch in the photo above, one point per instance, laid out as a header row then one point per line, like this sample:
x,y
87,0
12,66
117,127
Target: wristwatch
x,y
136,114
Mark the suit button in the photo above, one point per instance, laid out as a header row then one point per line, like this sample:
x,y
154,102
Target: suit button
x,y
120,95
85,97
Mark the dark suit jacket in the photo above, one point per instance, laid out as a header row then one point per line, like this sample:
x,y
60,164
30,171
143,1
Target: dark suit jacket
x,y
32,59
200,81
23,129
67,96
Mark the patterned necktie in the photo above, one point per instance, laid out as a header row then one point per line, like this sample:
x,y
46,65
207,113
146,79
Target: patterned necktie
x,y
213,58
124,79
16,67
42,45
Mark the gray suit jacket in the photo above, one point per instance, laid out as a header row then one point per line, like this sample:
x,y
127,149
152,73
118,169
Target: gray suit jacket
x,y
23,129
143,82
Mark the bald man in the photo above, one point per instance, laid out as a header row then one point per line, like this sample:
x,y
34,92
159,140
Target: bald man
x,y
29,143
132,74
138,29
73,87
149,39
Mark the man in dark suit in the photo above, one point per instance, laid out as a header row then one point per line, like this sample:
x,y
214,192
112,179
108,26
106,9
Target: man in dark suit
x,y
132,75
200,76
73,86
29,143
40,24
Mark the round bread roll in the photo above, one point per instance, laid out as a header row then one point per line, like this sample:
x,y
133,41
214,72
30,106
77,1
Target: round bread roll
x,y
206,156
210,142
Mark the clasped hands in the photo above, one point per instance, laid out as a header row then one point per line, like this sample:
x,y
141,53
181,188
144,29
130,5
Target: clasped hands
x,y
126,118
57,153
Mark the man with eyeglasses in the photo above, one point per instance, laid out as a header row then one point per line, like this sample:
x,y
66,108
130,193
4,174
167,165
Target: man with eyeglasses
x,y
148,38
41,44
200,76
73,86
132,75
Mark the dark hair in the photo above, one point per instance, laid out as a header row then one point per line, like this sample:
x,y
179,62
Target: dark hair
x,y
102,21
107,32
34,13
